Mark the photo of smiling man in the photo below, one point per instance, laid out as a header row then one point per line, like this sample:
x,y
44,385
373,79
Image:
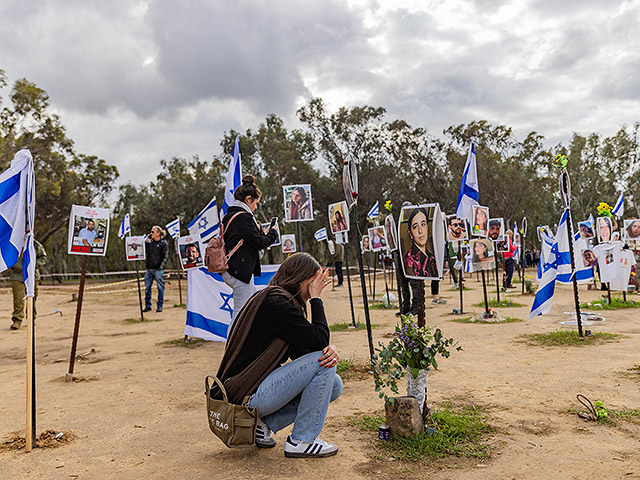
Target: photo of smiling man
x,y
456,229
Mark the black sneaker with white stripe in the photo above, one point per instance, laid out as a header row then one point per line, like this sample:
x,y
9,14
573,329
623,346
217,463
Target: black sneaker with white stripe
x,y
319,448
263,436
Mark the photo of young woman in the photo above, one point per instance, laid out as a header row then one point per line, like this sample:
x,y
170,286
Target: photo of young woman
x,y
421,237
586,229
377,239
604,229
480,225
365,245
297,203
632,229
482,254
339,217
391,233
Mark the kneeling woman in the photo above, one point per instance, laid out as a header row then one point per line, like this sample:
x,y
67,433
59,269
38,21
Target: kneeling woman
x,y
271,328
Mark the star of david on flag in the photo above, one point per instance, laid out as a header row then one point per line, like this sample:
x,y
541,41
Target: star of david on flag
x,y
206,223
173,228
125,227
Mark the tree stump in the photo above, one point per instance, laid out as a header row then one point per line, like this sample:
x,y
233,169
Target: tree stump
x,y
403,417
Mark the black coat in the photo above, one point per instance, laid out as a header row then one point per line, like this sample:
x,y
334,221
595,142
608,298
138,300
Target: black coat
x,y
246,261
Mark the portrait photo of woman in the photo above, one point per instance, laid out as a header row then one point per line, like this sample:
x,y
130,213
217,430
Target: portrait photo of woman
x,y
288,243
482,254
586,229
365,244
418,245
604,229
339,217
480,225
297,203
632,229
391,233
377,239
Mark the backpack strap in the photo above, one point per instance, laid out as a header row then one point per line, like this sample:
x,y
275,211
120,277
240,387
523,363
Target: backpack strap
x,y
222,230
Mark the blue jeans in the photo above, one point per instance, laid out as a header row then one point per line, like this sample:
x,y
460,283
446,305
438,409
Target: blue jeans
x,y
241,293
298,392
149,276
509,264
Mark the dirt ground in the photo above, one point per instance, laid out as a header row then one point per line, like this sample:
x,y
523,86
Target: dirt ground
x,y
138,410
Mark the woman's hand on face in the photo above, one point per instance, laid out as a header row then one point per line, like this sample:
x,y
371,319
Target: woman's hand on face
x,y
318,282
329,357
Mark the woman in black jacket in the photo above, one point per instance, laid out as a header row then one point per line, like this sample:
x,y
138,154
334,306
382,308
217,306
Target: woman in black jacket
x,y
240,225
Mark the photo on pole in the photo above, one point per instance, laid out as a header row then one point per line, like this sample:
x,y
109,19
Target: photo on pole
x,y
88,231
589,258
604,228
342,238
350,181
502,246
265,229
365,244
496,229
586,229
482,254
391,232
480,224
289,243
191,253
377,238
421,241
456,228
632,229
298,206
339,217
134,247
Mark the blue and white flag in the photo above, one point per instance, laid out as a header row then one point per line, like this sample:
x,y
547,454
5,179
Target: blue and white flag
x,y
206,224
469,191
374,212
592,220
583,274
210,302
321,234
173,228
619,207
234,177
17,213
125,227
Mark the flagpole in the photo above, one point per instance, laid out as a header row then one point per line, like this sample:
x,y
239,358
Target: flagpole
x,y
74,344
396,268
484,289
363,285
346,260
179,269
566,198
299,236
496,254
31,378
460,277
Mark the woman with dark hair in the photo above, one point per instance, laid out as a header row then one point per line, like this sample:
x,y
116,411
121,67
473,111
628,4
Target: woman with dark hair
x,y
272,328
338,224
633,229
419,262
299,206
241,228
480,252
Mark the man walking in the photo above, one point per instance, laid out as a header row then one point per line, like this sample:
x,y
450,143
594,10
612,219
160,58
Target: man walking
x,y
338,258
157,250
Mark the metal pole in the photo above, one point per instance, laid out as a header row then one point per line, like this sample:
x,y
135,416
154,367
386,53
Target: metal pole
x,y
346,261
422,313
522,259
363,286
397,267
300,237
484,289
386,285
496,254
375,265
31,378
74,344
139,292
565,188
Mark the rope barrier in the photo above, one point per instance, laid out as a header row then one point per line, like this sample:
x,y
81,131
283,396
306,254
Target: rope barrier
x,y
110,284
114,291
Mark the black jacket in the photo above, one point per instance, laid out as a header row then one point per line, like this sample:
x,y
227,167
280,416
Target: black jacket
x,y
157,254
246,261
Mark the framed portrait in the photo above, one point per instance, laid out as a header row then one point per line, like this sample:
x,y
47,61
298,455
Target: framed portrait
x,y
516,239
421,241
586,229
391,233
480,222
339,217
350,181
502,246
265,226
191,252
632,229
496,229
288,243
342,237
134,248
88,231
456,228
377,238
482,254
604,228
365,244
589,258
297,203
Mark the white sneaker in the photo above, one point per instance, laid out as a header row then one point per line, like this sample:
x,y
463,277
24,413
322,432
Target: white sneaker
x,y
263,436
319,448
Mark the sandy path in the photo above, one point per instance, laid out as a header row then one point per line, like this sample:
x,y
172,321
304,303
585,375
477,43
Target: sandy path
x,y
141,413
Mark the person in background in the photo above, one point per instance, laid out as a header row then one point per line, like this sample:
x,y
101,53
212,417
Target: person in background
x,y
240,225
452,257
509,262
18,287
338,259
157,250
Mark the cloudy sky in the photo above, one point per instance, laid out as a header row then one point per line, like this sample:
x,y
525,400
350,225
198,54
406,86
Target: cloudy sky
x,y
139,81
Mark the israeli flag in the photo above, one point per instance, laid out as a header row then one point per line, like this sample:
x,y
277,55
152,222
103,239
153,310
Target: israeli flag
x,y
619,207
592,220
545,251
321,234
583,274
206,224
173,228
17,213
374,212
125,227
210,302
557,266
469,191
234,177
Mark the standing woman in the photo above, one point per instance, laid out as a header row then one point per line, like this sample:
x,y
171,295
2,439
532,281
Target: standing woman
x,y
241,226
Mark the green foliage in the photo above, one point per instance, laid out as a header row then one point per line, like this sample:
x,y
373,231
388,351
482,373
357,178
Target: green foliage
x,y
501,303
459,431
342,327
188,342
616,304
485,322
413,348
567,338
146,319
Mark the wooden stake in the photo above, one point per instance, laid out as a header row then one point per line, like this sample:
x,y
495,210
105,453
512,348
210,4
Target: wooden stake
x,y
31,378
363,286
422,312
300,237
346,262
484,289
460,275
139,292
74,344
497,272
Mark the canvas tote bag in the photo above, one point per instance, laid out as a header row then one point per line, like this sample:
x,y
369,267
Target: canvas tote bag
x,y
235,425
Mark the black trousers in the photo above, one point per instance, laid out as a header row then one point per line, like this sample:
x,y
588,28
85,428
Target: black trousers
x,y
338,267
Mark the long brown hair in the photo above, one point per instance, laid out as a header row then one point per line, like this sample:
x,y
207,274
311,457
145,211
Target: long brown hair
x,y
292,272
